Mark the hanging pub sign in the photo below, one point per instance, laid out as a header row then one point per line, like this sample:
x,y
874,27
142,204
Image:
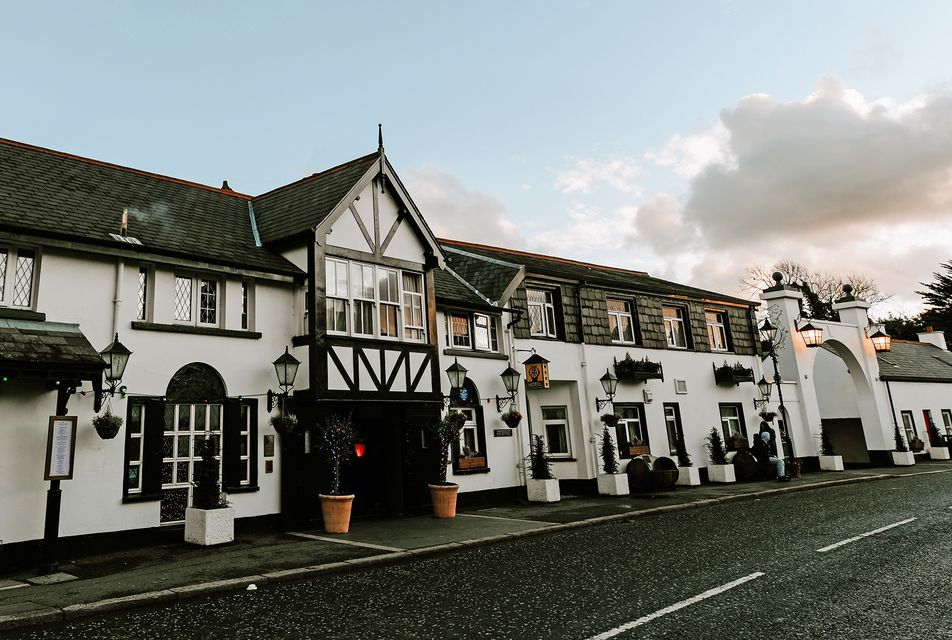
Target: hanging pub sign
x,y
60,448
537,372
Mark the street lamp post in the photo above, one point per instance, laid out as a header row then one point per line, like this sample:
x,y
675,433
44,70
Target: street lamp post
x,y
769,333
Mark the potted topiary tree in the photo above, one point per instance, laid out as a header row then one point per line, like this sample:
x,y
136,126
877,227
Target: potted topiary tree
x,y
443,493
938,450
542,486
107,425
829,461
209,521
719,470
610,483
902,456
335,442
688,474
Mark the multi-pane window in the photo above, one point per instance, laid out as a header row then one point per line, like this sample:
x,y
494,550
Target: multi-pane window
x,y
23,278
541,313
947,420
413,322
674,327
182,309
631,431
556,427
469,435
3,272
134,441
379,300
389,291
484,333
732,422
471,331
208,302
620,322
337,294
716,330
142,297
458,334
244,305
186,426
909,425
672,425
244,452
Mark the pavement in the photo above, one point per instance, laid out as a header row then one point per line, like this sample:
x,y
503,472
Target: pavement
x,y
162,574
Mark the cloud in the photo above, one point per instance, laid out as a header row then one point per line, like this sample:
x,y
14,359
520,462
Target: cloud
x,y
688,155
586,175
453,211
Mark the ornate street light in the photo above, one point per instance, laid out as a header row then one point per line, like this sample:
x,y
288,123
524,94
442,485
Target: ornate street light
x,y
116,356
510,378
812,336
609,386
768,330
286,368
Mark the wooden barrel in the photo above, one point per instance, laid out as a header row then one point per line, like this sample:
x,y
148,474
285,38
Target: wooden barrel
x,y
665,473
639,475
745,466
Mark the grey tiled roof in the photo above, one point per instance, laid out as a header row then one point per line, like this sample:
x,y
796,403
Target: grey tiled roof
x,y
488,275
915,362
302,205
40,345
593,274
55,194
449,290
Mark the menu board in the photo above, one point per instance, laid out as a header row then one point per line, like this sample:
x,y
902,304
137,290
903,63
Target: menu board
x,y
60,448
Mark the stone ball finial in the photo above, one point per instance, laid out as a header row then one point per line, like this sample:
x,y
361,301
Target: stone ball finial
x,y
777,276
847,289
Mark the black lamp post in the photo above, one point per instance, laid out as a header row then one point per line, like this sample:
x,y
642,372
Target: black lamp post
x,y
510,378
116,356
457,376
769,333
609,386
286,368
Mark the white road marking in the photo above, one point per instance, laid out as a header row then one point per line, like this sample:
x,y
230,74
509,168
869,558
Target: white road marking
x,y
474,515
680,605
864,535
341,541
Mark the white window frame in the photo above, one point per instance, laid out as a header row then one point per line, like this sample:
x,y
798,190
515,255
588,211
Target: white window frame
x,y
469,426
564,423
616,317
454,320
247,317
8,270
245,435
545,310
405,300
727,422
637,422
136,437
671,324
490,331
195,299
217,297
145,285
384,304
671,423
909,426
717,330
947,420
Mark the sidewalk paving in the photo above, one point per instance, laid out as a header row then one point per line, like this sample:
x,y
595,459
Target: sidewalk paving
x,y
161,573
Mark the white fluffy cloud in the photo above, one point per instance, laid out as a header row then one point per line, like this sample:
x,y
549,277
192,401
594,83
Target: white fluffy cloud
x,y
455,212
586,175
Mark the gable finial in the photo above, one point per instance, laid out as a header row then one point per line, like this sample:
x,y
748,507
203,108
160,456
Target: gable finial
x,y
380,153
380,138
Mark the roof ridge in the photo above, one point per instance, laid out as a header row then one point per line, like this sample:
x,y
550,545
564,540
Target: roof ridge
x,y
111,165
530,254
483,258
319,174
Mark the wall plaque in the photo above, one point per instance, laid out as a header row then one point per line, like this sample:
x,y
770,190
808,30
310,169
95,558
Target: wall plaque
x,y
502,433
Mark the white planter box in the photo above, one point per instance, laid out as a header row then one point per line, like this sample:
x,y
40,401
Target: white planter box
x,y
903,458
939,453
613,484
721,473
831,463
543,490
689,477
209,526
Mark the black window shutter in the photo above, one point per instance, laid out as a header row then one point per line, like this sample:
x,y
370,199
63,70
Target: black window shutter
x,y
231,444
253,437
152,447
481,432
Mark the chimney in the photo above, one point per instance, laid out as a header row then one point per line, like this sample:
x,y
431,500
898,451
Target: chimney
x,y
936,338
124,226
225,187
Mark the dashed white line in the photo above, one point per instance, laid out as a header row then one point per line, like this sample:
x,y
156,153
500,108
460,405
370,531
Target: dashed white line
x,y
839,544
680,605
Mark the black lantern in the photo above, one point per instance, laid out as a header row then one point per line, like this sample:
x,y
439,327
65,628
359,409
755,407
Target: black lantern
x,y
768,330
116,356
812,336
286,367
609,385
882,341
764,385
510,378
457,374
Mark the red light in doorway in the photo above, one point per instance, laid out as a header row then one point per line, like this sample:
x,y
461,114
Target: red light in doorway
x,y
360,448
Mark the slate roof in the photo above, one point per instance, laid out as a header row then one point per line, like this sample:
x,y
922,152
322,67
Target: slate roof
x,y
56,194
909,361
489,276
593,274
450,290
302,205
46,345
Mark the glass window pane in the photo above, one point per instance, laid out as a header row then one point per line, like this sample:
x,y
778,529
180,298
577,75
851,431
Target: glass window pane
x,y
167,444
133,448
182,449
23,278
200,412
167,468
214,417
181,472
135,418
208,302
183,299
170,417
553,413
133,477
184,417
3,272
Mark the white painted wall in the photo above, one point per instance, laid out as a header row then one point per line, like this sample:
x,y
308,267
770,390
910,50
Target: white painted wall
x,y
835,391
917,396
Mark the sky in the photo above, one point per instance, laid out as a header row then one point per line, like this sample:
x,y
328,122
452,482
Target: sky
x,y
691,140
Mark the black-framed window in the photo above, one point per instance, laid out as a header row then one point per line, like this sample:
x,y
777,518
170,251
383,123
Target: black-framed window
x,y
718,330
631,432
542,312
733,427
677,329
909,425
672,425
469,451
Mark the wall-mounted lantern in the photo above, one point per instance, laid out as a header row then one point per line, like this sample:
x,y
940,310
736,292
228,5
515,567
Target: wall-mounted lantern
x,y
286,368
457,377
764,386
116,356
510,378
812,336
882,341
609,385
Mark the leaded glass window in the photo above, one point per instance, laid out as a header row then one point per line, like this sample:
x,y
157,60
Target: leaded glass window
x,y
244,305
183,299
134,431
208,302
23,278
143,295
3,272
541,313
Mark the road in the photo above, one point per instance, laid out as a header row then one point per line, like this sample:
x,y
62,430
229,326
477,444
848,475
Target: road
x,y
742,570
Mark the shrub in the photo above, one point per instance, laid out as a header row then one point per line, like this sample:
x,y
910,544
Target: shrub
x,y
900,443
826,447
336,444
539,466
715,447
207,493
609,459
684,460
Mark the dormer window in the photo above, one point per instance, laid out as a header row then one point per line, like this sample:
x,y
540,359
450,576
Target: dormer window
x,y
17,280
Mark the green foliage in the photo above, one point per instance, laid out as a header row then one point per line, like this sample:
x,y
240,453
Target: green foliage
x,y
335,442
107,425
284,423
447,432
207,493
902,327
539,466
826,447
628,367
715,447
684,460
609,459
900,443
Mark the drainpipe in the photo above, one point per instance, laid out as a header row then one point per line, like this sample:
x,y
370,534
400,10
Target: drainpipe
x,y
117,300
511,338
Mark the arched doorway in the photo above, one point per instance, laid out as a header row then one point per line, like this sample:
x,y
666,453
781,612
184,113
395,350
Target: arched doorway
x,y
469,452
840,385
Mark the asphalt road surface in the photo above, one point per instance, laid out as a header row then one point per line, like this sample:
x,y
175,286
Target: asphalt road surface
x,y
792,566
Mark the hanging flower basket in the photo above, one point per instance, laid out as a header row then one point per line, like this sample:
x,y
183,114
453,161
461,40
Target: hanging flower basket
x,y
511,418
284,424
610,419
107,425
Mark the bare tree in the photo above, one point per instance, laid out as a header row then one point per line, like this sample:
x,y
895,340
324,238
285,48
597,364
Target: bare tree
x,y
820,289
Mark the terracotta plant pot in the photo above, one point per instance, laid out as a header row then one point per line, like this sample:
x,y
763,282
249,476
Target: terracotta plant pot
x,y
444,500
336,512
